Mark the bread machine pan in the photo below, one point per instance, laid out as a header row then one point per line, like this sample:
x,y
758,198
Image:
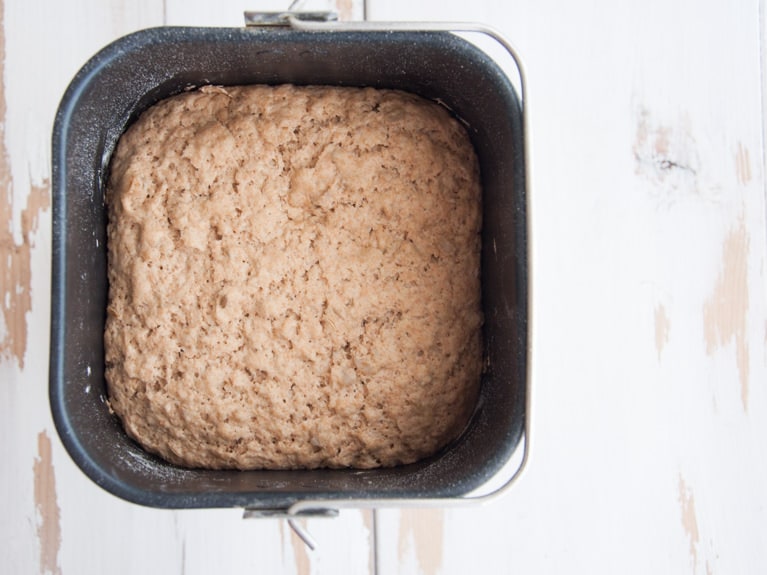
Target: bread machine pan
x,y
136,71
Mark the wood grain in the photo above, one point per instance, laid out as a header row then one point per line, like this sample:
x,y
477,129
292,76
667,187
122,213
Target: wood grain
x,y
421,538
46,503
18,226
646,208
724,313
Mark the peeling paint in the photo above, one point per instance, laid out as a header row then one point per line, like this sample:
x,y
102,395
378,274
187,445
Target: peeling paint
x,y
661,142
15,272
345,9
662,328
300,553
666,156
725,312
689,519
47,507
424,527
742,165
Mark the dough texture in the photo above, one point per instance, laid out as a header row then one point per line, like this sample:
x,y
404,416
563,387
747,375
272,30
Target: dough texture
x,y
294,278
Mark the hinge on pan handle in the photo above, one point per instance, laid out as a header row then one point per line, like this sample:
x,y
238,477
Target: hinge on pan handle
x,y
253,513
282,19
255,19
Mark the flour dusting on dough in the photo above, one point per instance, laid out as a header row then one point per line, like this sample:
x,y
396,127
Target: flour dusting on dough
x,y
15,264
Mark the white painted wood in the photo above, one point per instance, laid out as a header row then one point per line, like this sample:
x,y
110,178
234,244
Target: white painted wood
x,y
54,519
43,494
648,299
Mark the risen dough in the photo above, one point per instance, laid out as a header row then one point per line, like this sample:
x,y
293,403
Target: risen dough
x,y
294,278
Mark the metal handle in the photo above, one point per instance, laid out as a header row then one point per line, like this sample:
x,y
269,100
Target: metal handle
x,y
305,536
327,22
284,19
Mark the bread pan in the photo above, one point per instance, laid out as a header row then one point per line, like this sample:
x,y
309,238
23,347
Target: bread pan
x,y
136,71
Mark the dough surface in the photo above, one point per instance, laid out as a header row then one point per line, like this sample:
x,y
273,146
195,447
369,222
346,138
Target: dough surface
x,y
294,278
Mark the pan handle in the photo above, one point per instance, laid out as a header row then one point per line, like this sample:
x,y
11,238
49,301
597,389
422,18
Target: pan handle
x,y
327,22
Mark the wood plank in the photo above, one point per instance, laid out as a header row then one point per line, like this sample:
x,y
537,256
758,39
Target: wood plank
x,y
50,510
649,316
54,519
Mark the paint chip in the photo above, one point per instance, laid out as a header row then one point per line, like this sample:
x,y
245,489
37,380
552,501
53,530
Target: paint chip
x,y
345,9
742,165
15,264
300,553
689,519
47,507
725,312
424,527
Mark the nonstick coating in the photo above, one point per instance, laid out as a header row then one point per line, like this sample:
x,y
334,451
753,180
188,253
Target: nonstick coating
x,y
126,77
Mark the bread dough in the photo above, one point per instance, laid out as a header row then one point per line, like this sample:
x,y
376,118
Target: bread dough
x,y
294,278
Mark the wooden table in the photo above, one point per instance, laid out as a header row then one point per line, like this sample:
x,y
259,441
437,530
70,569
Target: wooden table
x,y
649,310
